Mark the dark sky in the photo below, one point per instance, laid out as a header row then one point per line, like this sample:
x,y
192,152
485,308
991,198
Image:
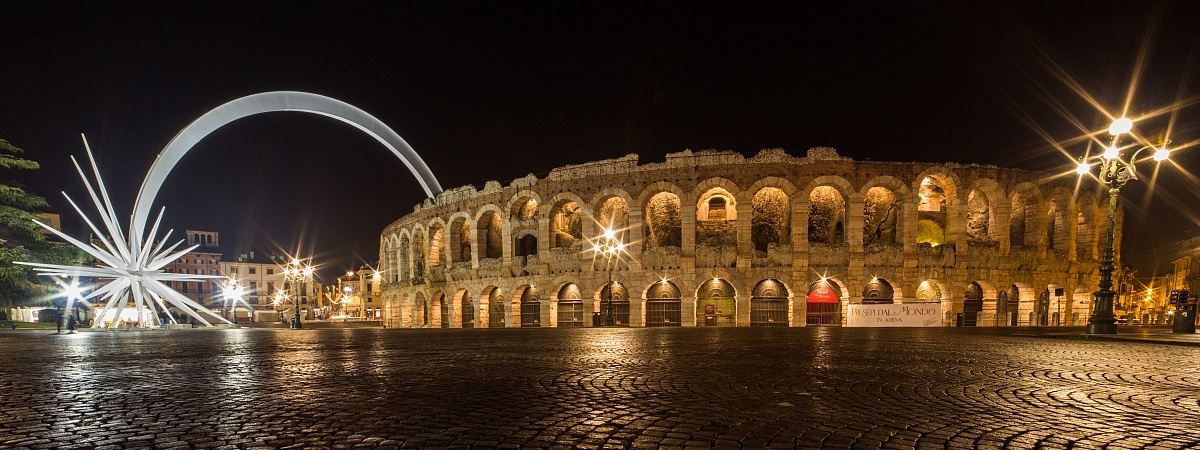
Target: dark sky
x,y
497,90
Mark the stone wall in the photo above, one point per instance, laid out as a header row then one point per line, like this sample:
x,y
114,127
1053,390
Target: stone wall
x,y
797,220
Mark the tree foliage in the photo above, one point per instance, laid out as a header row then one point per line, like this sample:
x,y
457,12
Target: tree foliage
x,y
21,239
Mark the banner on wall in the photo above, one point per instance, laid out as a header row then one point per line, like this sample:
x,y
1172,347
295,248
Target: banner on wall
x,y
902,315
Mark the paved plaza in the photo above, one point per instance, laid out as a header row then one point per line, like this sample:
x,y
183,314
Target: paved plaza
x,y
594,388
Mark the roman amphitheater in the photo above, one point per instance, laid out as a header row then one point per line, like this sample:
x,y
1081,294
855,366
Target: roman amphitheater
x,y
717,239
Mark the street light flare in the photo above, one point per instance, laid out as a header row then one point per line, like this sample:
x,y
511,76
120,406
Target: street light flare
x,y
1120,126
1111,153
1083,168
1162,154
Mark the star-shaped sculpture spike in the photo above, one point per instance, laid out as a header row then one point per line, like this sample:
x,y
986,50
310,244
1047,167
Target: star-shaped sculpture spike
x,y
133,264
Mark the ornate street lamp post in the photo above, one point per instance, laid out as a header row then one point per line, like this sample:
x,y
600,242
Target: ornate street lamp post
x,y
610,247
293,273
1114,173
233,292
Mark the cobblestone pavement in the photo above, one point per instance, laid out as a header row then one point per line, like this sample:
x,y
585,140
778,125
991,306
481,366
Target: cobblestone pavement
x,y
593,388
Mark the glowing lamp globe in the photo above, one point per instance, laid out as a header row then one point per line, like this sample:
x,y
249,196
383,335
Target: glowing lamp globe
x,y
1162,154
1111,153
1120,126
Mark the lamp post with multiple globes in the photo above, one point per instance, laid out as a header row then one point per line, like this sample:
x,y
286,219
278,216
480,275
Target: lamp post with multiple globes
x,y
1114,173
293,273
609,246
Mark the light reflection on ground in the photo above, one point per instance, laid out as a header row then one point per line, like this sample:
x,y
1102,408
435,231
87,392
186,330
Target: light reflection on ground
x,y
591,387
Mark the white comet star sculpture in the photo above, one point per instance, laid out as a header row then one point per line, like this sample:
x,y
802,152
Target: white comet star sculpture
x,y
132,263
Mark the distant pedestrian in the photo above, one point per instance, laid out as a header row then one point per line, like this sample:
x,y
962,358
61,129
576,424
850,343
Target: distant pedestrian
x,y
71,324
59,323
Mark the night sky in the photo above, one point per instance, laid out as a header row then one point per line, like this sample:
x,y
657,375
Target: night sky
x,y
497,90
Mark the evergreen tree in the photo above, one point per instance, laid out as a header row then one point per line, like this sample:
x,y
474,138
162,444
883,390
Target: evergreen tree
x,y
22,240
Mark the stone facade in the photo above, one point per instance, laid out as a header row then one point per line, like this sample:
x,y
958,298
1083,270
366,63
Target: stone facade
x,y
715,238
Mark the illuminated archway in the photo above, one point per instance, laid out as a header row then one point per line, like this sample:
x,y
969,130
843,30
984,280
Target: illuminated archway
x,y
266,102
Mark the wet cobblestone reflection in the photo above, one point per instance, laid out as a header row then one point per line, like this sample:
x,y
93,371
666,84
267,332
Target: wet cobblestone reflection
x,y
593,388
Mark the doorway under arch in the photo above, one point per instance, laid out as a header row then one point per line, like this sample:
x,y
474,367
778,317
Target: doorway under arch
x,y
878,292
769,304
531,308
496,308
664,306
570,306
972,304
715,304
468,311
620,303
823,305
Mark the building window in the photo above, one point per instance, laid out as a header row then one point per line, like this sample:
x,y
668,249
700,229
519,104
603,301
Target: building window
x,y
270,286
253,286
368,287
233,270
252,271
270,271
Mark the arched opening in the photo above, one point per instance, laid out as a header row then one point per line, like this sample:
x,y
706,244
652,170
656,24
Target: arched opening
x,y
881,216
769,304
931,213
524,226
1085,233
491,235
972,304
613,214
418,254
437,246
420,311
402,271
979,216
823,306
716,208
716,229
878,292
1081,306
663,221
715,304
460,241
664,305
1020,221
444,310
531,308
566,225
1001,316
497,308
1056,229
524,209
770,220
616,294
826,216
1013,306
1042,315
468,310
570,306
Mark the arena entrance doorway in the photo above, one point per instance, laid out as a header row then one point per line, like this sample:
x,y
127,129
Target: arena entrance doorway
x,y
620,303
972,304
531,308
570,307
823,305
769,304
664,307
715,304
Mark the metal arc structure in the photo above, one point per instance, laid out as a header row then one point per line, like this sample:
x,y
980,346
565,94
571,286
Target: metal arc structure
x,y
267,102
